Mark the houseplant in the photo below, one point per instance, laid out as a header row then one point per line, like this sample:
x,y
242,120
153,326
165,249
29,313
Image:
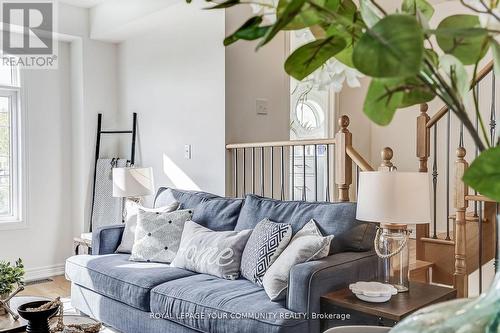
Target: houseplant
x,y
410,63
11,275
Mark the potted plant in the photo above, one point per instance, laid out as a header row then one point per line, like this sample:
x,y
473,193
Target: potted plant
x,y
11,276
410,62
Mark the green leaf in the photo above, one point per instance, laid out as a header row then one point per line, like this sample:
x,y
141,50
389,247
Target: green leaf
x,y
369,12
287,15
416,93
413,6
463,37
394,47
380,104
432,56
483,175
308,16
495,46
225,4
250,30
456,73
345,56
307,58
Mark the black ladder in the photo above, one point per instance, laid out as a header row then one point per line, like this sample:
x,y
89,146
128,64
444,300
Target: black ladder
x,y
100,132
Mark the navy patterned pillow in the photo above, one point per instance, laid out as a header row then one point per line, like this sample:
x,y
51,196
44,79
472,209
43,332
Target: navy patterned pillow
x,y
264,246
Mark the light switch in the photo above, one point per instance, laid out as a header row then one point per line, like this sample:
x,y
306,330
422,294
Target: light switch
x,y
187,152
262,106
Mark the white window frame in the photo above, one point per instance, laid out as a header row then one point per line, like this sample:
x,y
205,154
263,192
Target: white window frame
x,y
17,218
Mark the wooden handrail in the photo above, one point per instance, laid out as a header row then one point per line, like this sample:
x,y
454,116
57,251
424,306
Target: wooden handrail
x,y
478,198
480,75
358,159
289,143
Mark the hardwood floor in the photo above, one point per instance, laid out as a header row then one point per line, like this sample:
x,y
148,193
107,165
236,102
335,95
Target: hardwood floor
x,y
58,287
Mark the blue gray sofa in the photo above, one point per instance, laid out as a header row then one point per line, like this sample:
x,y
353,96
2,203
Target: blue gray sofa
x,y
136,297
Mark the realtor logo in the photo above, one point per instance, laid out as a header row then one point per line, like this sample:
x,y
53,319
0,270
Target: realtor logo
x,y
36,21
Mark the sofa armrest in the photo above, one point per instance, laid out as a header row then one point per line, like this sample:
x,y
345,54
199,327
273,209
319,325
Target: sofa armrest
x,y
311,280
105,240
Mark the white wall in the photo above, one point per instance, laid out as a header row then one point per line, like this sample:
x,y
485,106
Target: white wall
x,y
251,75
173,77
61,107
46,240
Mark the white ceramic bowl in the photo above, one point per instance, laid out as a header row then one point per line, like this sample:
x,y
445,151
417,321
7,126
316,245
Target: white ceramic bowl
x,y
374,292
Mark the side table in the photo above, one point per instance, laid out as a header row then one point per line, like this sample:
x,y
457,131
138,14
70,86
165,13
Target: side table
x,y
82,246
354,311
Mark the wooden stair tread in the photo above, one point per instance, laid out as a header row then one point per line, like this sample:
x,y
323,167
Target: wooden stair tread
x,y
478,198
439,240
420,265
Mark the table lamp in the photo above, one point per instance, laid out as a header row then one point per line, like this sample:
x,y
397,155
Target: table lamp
x,y
132,183
394,199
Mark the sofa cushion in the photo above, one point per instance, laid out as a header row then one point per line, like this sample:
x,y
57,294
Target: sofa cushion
x,y
187,199
337,218
114,276
209,304
211,211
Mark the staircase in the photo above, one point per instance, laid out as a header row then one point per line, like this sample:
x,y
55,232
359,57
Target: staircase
x,y
469,241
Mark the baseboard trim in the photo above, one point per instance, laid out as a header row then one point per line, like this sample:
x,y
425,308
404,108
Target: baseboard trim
x,y
44,272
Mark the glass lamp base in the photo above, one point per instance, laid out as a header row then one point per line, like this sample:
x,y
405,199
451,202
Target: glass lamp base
x,y
391,245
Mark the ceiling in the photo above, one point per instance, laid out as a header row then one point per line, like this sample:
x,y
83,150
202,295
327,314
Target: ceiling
x,y
82,3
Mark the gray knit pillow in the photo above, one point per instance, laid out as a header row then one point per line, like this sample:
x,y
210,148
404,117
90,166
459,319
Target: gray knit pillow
x,y
158,235
132,211
266,243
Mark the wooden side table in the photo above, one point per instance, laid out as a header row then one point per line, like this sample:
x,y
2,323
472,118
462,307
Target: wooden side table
x,y
82,246
353,311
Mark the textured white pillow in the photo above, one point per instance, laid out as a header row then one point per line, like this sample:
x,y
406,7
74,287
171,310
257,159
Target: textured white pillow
x,y
158,235
211,252
307,244
132,210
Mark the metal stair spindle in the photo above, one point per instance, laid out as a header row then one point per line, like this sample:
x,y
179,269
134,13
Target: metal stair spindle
x,y
434,183
448,134
476,150
493,115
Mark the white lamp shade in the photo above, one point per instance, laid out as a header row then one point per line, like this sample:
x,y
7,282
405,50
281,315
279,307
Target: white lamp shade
x,y
394,197
132,182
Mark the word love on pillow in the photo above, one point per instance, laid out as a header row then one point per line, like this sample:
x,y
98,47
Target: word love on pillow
x,y
216,253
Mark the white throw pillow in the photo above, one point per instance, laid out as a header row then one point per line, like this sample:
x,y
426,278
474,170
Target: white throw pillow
x,y
211,252
307,244
158,235
131,212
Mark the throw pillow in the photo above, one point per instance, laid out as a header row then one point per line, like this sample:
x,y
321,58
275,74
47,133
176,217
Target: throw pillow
x,y
158,235
216,253
307,244
268,240
131,210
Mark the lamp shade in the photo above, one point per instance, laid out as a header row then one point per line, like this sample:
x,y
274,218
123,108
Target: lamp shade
x,y
394,197
132,182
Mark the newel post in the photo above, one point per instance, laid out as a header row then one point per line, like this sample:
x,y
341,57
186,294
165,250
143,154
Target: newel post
x,y
461,204
423,138
343,163
423,153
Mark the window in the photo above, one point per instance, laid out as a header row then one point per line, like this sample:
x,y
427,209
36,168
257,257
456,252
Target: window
x,y
10,162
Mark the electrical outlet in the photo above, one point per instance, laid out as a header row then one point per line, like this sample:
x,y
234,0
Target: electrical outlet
x,y
187,152
262,106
